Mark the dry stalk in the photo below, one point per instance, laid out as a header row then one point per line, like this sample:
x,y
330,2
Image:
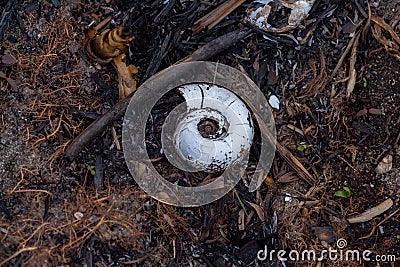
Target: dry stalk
x,y
319,80
352,66
215,16
391,46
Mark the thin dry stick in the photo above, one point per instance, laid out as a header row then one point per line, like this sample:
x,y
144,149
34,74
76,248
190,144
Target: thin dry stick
x,y
53,133
340,62
31,191
215,16
24,242
383,24
216,46
368,23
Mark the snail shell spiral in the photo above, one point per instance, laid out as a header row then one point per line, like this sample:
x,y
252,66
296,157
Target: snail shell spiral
x,y
210,130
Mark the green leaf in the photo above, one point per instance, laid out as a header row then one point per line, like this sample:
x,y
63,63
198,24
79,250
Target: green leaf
x,y
93,172
398,237
303,147
365,82
345,193
347,189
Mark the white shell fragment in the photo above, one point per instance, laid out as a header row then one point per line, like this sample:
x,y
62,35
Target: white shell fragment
x,y
274,101
385,165
258,15
216,128
299,12
288,197
78,215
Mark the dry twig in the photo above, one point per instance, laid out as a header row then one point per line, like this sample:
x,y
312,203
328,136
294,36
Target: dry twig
x,y
352,69
215,16
371,213
340,62
319,80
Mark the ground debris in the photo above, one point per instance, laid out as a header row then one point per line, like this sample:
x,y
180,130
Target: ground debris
x,y
299,12
385,165
50,211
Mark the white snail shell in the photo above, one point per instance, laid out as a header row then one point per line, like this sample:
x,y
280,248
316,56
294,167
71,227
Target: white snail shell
x,y
216,128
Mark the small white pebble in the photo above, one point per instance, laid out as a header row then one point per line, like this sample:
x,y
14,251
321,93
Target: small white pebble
x,y
274,102
78,215
288,197
385,165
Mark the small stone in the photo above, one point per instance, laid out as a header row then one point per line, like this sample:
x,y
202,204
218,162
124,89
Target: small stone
x,y
56,3
385,165
274,102
288,197
78,215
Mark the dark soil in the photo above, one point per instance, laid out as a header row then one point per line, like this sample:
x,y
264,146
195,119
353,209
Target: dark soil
x,y
90,211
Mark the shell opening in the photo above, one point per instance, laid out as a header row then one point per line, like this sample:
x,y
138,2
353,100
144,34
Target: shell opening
x,y
211,129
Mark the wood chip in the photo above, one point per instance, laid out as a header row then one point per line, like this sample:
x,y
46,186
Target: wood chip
x,y
168,220
241,220
115,138
98,178
343,56
352,72
259,211
385,165
371,213
215,16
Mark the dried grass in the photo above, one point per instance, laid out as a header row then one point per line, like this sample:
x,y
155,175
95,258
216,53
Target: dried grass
x,y
56,238
318,81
